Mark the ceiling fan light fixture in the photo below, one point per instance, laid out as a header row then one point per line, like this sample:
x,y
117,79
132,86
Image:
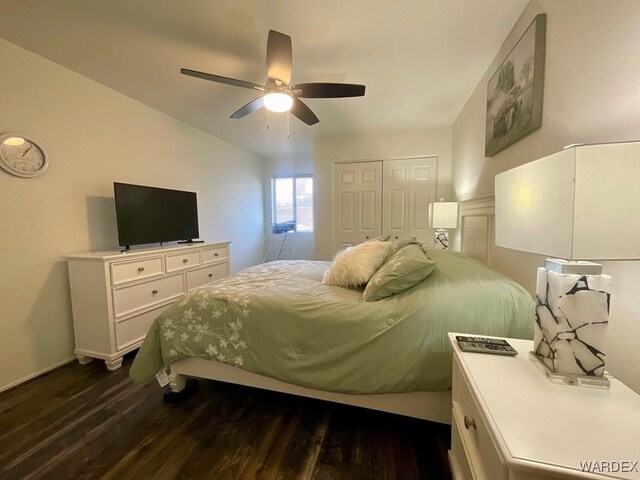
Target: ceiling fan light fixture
x,y
14,141
278,101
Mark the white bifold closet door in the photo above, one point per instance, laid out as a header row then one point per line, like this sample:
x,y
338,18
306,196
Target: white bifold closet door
x,y
389,197
408,186
357,203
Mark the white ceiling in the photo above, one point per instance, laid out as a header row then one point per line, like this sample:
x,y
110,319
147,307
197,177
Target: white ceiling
x,y
420,59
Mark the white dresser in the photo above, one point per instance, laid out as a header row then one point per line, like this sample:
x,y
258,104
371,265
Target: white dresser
x,y
116,296
510,422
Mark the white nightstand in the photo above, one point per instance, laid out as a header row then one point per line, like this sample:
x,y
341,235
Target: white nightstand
x,y
510,422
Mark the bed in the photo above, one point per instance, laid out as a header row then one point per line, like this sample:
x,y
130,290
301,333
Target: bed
x,y
276,326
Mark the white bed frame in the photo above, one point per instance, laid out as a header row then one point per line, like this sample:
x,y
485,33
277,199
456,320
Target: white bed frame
x,y
476,222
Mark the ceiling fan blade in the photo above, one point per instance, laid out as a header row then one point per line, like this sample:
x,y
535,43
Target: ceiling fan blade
x,y
279,58
250,107
303,112
217,78
328,90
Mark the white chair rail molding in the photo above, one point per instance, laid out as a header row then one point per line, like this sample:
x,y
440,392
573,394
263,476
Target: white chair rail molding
x,y
576,205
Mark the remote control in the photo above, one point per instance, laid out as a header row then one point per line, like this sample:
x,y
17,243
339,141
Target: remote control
x,y
496,346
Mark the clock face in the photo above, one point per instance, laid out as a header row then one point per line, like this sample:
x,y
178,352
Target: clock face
x,y
22,156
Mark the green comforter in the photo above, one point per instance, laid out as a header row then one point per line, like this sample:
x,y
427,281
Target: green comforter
x,y
279,320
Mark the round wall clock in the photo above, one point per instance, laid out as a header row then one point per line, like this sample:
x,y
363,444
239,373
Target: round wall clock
x,y
22,156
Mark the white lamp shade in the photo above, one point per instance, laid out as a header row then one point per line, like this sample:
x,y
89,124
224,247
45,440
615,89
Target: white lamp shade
x,y
443,215
579,204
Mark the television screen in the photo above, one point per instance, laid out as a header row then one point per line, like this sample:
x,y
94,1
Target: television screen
x,y
151,215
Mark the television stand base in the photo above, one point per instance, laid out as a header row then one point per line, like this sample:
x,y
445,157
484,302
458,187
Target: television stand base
x,y
191,241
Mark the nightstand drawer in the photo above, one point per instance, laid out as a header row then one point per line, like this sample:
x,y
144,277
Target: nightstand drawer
x,y
483,457
122,272
214,254
136,297
202,276
458,459
182,260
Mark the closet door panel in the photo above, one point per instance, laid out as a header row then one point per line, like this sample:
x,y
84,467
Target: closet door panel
x,y
397,213
344,206
395,194
357,203
408,188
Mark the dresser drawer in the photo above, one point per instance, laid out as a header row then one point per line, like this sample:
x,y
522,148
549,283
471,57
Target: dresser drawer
x,y
122,272
215,253
202,276
182,260
135,297
483,458
133,330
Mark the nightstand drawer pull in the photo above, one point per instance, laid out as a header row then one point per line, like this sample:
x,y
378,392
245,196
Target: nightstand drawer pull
x,y
141,269
211,275
155,292
469,423
185,260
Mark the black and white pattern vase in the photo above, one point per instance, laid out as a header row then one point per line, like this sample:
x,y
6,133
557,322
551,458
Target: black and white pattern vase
x,y
572,314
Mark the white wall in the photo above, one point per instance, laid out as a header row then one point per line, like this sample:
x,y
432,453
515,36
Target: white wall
x,y
95,136
372,146
591,94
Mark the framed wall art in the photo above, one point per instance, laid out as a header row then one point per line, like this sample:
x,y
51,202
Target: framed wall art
x,y
514,92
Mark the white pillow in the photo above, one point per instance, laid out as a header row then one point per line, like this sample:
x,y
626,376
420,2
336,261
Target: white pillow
x,y
356,265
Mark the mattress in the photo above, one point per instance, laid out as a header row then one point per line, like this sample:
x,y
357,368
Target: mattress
x,y
277,319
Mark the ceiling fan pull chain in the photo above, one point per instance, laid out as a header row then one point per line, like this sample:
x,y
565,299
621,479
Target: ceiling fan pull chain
x,y
288,131
268,120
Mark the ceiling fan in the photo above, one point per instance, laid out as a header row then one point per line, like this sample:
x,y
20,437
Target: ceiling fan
x,y
279,94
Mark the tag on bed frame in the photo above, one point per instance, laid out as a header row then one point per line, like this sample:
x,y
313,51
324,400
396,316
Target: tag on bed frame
x,y
162,377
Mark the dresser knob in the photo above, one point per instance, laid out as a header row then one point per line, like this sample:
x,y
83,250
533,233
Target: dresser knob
x,y
141,269
185,260
211,275
215,254
367,237
469,423
396,237
155,292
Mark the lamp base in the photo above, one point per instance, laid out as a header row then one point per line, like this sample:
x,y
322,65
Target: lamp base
x,y
572,314
441,239
568,378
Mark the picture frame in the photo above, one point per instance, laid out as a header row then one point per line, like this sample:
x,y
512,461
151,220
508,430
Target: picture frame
x,y
515,91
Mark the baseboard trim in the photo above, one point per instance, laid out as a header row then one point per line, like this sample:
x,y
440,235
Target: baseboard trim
x,y
36,374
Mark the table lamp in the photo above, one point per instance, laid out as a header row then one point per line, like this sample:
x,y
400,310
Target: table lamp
x,y
576,205
442,215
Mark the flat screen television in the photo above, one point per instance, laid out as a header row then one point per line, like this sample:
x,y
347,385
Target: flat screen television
x,y
153,215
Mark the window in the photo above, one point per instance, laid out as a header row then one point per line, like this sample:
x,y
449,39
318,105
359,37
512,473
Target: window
x,y
293,201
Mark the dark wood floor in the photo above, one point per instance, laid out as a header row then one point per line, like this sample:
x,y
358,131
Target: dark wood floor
x,y
85,422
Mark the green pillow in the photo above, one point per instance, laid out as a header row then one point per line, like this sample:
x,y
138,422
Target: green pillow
x,y
402,270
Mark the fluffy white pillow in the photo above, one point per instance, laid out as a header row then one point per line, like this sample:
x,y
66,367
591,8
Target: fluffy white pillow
x,y
356,265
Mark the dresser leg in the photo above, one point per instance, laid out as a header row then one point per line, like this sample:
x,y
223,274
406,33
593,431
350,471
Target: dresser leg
x,y
113,364
83,360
